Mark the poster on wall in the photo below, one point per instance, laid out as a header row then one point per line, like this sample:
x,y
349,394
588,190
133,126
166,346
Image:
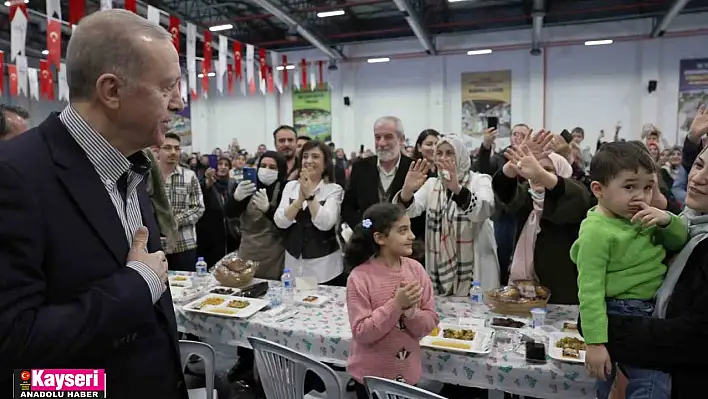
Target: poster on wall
x,y
486,94
312,114
693,91
182,126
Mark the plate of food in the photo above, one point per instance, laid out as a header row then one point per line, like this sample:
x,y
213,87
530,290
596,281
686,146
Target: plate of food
x,y
509,323
456,338
567,347
568,326
310,299
219,290
180,281
226,305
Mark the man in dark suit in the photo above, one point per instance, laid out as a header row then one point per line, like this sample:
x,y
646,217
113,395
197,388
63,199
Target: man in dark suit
x,y
83,280
378,178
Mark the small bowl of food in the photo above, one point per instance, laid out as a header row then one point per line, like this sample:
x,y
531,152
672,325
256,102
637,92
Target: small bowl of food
x,y
232,271
517,300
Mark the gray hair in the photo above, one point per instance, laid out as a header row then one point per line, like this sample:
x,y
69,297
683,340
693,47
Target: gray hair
x,y
105,42
391,119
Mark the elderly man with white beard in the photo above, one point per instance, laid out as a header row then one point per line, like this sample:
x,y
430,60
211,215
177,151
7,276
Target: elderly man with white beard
x,y
378,178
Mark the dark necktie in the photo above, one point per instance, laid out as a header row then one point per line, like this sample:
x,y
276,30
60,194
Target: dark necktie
x,y
122,185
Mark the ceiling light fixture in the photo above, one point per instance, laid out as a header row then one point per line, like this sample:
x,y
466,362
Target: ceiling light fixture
x,y
45,52
210,74
378,60
217,28
7,3
333,13
598,42
479,52
280,67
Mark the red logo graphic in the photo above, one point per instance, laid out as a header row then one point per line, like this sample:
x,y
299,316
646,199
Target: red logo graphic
x,y
25,375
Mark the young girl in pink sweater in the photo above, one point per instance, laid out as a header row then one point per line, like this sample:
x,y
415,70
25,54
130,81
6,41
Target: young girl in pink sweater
x,y
389,298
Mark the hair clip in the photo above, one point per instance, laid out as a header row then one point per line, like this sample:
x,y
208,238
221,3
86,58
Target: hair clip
x,y
366,223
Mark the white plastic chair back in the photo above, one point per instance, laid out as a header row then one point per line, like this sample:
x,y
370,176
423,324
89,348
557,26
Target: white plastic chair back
x,y
381,388
208,356
282,371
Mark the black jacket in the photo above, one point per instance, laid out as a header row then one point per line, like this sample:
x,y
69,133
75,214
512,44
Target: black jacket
x,y
67,299
676,344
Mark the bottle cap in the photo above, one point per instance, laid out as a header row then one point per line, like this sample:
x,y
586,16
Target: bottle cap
x,y
286,271
200,259
475,283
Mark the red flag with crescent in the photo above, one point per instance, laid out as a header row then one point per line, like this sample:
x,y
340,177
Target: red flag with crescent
x,y
54,42
303,71
262,62
285,70
77,10
43,78
174,31
207,50
12,75
238,64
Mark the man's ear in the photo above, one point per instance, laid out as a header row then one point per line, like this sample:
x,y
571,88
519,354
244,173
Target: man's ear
x,y
597,189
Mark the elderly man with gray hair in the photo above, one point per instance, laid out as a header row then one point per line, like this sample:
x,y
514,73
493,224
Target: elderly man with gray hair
x,y
378,178
83,277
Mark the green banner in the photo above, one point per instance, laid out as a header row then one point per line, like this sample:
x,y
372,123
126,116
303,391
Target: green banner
x,y
312,114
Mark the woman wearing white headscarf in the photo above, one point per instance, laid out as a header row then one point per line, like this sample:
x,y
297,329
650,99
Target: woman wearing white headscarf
x,y
459,240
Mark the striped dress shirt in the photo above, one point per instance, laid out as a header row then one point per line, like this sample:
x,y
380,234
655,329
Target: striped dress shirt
x,y
110,165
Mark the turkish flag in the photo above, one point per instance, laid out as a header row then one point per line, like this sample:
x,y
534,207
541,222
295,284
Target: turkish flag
x,y
230,78
131,5
285,70
77,10
12,74
54,42
174,31
238,64
262,61
269,79
44,78
303,71
207,51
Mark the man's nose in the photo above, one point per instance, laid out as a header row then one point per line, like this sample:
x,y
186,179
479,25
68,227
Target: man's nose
x,y
176,104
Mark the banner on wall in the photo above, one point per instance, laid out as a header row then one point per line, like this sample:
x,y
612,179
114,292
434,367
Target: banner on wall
x,y
486,94
693,91
312,114
182,126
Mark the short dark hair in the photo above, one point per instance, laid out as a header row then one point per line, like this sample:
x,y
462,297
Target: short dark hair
x,y
17,110
421,138
618,156
174,136
306,138
578,130
284,127
328,174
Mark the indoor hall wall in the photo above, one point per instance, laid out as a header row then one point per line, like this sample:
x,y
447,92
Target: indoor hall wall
x,y
571,85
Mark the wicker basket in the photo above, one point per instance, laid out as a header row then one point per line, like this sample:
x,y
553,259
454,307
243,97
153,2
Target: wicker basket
x,y
518,307
232,271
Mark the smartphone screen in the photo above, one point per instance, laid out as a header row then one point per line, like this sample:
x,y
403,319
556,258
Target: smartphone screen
x,y
567,136
250,174
213,161
492,122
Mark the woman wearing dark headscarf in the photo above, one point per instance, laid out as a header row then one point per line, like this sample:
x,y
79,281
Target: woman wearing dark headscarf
x,y
214,238
254,205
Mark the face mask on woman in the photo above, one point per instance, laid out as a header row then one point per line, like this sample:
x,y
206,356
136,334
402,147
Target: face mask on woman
x,y
267,176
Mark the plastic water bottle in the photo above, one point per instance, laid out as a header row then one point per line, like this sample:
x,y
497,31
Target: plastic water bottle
x,y
202,274
476,297
288,289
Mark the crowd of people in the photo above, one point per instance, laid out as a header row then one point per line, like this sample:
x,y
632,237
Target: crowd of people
x,y
98,201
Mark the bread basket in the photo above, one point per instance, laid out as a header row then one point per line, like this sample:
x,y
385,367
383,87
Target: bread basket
x,y
517,299
232,271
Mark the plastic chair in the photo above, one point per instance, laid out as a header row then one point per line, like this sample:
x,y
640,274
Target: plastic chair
x,y
381,388
208,356
282,371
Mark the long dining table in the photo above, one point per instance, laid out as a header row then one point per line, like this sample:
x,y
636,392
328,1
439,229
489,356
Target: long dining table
x,y
324,334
